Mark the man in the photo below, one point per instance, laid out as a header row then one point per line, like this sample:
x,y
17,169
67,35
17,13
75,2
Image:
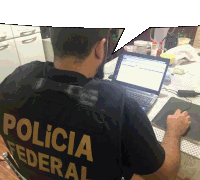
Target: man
x,y
81,143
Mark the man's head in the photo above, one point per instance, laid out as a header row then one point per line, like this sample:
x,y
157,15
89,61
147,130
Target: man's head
x,y
80,49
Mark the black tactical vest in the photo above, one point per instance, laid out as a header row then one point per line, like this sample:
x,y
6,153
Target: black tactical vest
x,y
62,131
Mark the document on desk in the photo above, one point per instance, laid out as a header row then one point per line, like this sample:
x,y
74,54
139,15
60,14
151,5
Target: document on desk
x,y
183,82
190,68
197,89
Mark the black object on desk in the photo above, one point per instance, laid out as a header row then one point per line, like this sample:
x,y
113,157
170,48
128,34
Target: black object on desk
x,y
193,132
186,93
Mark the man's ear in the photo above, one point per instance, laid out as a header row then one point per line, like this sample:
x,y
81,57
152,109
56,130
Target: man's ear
x,y
99,50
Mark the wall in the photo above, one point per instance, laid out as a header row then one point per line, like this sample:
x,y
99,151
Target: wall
x,y
120,32
197,39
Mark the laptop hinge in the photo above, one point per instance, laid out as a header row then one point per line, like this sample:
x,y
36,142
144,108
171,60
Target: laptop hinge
x,y
139,91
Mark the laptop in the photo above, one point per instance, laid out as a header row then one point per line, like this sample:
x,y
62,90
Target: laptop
x,y
142,77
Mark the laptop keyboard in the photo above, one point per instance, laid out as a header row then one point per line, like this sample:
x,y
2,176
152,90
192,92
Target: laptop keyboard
x,y
141,100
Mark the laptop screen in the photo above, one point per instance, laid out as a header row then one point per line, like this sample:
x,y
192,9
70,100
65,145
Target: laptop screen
x,y
141,71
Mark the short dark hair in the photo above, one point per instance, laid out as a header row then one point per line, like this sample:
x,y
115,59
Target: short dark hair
x,y
76,42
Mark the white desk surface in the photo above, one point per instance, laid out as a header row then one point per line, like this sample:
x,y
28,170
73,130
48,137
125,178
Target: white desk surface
x,y
188,81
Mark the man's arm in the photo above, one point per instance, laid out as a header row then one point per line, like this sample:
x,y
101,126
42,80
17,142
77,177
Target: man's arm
x,y
177,125
141,152
170,167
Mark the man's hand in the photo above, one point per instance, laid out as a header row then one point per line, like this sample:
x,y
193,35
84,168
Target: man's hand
x,y
178,123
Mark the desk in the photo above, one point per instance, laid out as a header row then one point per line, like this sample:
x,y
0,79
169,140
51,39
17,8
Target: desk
x,y
190,153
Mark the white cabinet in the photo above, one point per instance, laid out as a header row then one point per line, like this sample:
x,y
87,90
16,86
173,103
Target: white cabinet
x,y
9,60
30,48
5,32
19,45
20,31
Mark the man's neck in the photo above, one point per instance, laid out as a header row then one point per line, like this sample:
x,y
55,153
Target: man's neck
x,y
69,65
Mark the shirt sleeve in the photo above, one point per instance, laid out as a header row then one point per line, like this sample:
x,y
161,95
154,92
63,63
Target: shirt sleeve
x,y
141,152
10,82
3,83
